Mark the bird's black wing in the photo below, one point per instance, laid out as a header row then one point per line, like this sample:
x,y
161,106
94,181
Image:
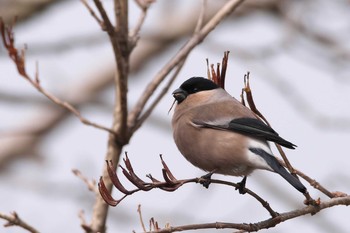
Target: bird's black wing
x,y
251,127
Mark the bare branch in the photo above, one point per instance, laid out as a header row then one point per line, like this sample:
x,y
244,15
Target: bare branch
x,y
19,60
134,34
141,219
170,184
268,223
91,184
83,223
201,16
311,181
14,220
118,36
106,24
93,14
148,112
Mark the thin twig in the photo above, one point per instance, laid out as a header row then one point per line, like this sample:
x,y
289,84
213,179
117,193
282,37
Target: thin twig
x,y
83,223
268,223
170,184
14,220
19,60
141,219
201,16
148,112
91,184
134,34
67,106
93,14
264,203
311,181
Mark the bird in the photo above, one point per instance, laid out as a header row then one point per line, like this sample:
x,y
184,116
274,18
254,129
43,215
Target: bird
x,y
218,134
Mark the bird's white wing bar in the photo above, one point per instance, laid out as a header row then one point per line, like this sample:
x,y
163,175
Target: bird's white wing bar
x,y
256,159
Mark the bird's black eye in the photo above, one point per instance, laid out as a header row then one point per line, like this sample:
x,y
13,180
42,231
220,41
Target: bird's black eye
x,y
195,90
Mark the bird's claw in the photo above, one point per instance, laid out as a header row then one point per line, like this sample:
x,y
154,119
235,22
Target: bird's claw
x,y
241,186
206,180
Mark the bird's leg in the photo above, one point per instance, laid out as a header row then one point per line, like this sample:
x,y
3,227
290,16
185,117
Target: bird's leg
x,y
206,179
241,185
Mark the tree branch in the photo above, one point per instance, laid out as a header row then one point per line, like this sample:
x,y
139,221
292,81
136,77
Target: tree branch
x,y
106,24
18,57
93,14
201,16
118,36
148,111
14,220
141,219
170,184
311,181
134,34
268,223
90,184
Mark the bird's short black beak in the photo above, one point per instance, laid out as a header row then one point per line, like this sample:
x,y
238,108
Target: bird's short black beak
x,y
180,95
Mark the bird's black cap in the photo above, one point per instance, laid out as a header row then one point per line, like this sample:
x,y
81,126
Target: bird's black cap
x,y
193,85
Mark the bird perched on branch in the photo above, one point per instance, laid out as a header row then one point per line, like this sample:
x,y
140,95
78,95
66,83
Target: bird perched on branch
x,y
216,133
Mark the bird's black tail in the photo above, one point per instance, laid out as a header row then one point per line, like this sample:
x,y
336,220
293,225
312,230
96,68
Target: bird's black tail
x,y
278,168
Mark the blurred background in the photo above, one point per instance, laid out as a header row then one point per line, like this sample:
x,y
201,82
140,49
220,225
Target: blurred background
x,y
298,55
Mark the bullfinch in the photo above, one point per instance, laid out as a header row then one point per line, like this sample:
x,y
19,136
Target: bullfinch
x,y
218,134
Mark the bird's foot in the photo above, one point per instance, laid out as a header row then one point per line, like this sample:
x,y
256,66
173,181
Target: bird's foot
x,y
206,179
241,186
